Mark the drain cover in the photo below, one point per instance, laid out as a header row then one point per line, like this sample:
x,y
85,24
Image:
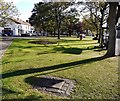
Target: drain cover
x,y
54,85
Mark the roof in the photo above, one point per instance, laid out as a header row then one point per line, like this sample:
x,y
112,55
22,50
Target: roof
x,y
18,21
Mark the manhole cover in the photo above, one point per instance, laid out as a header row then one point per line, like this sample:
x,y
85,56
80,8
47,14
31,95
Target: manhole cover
x,y
58,86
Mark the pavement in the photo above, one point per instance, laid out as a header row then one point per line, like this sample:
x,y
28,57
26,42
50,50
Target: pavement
x,y
19,37
4,44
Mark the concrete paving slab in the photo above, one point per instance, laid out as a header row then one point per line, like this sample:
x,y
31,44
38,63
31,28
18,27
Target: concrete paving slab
x,y
55,85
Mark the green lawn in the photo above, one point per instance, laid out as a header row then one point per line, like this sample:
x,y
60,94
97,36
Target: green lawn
x,y
96,77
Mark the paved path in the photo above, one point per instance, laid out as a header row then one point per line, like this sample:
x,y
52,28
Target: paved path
x,y
4,44
19,37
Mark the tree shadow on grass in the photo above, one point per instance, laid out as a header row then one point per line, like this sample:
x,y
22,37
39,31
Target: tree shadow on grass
x,y
7,62
33,97
68,50
8,91
72,50
78,44
23,47
59,66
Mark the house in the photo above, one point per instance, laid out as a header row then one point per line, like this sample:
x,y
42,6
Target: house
x,y
18,27
117,50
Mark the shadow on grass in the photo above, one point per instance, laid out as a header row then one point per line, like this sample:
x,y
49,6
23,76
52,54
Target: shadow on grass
x,y
43,81
45,52
42,42
33,97
72,50
8,91
23,47
59,66
76,40
68,50
78,44
7,62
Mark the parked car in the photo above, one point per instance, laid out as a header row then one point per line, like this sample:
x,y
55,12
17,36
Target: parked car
x,y
3,34
83,35
24,34
34,34
29,34
0,34
39,34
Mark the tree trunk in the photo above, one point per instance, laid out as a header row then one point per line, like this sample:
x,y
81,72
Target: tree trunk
x,y
112,32
101,29
118,14
101,37
70,33
102,10
54,32
58,32
59,24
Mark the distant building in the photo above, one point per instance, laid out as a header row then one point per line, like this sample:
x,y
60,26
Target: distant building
x,y
117,50
18,27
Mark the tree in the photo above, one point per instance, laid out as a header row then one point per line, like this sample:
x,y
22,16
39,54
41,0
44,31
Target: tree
x,y
39,16
88,26
97,14
7,11
58,14
112,32
72,20
51,16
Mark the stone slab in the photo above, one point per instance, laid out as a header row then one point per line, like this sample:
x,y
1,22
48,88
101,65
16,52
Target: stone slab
x,y
55,85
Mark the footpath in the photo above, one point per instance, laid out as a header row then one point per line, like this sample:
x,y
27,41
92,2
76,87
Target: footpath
x,y
4,44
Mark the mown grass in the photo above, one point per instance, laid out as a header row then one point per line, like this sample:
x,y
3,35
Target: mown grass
x,y
96,77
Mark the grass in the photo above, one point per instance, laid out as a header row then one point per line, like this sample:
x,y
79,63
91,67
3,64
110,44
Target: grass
x,y
96,77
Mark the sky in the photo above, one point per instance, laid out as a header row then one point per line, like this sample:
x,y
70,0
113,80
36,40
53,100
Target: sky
x,y
24,7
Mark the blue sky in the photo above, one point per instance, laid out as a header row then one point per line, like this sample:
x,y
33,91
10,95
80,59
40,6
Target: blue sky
x,y
24,7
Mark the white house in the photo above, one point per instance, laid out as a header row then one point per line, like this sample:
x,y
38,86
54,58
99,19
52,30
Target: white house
x,y
18,27
117,50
